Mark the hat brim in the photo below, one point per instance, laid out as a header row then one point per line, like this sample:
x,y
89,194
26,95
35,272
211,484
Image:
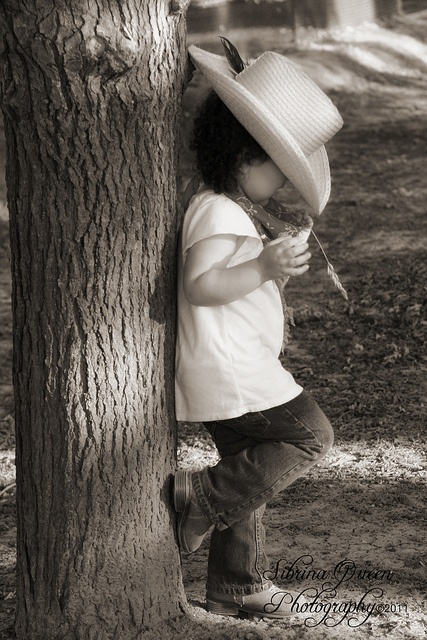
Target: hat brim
x,y
309,174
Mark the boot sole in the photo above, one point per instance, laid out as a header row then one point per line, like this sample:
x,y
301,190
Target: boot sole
x,y
232,609
222,608
182,488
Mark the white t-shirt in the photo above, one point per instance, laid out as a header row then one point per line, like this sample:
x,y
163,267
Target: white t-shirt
x,y
227,357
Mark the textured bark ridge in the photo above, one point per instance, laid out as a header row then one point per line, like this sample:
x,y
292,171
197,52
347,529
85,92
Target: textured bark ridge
x,y
91,99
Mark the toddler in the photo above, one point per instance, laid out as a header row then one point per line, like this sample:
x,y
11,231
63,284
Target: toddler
x,y
263,124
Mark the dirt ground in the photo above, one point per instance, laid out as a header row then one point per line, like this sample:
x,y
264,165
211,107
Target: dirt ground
x,y
351,534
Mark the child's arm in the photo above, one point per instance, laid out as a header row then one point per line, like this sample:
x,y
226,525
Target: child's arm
x,y
208,283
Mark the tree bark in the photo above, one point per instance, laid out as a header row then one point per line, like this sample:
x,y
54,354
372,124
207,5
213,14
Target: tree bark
x,y
91,95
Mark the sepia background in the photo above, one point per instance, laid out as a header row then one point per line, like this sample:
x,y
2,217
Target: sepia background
x,y
364,360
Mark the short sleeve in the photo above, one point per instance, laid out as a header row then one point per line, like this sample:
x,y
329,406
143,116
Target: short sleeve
x,y
211,214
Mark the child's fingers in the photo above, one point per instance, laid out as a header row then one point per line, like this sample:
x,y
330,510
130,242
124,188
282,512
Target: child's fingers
x,y
289,244
285,258
298,261
294,250
293,260
298,271
299,248
302,258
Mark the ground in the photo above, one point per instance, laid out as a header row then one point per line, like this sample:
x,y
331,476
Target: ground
x,y
353,530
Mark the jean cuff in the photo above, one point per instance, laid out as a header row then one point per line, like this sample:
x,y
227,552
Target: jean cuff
x,y
238,589
203,503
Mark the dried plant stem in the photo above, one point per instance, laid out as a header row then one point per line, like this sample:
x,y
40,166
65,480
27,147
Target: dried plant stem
x,y
331,271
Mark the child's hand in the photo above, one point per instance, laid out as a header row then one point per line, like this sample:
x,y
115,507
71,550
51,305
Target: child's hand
x,y
303,219
282,257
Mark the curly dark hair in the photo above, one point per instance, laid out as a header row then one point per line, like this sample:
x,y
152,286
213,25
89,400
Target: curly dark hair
x,y
221,145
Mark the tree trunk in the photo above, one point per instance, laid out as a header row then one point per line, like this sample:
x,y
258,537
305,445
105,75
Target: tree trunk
x,y
91,99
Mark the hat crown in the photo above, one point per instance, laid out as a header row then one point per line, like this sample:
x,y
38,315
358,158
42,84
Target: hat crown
x,y
285,111
292,99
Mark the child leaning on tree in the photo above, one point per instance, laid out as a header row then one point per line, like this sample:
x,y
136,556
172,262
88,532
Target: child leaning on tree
x,y
263,124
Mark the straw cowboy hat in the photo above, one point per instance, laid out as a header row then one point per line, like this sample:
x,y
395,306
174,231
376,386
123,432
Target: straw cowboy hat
x,y
286,113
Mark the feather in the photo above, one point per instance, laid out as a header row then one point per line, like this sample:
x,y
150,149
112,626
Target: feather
x,y
233,56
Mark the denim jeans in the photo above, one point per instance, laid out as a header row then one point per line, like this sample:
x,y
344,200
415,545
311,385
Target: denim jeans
x,y
262,453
